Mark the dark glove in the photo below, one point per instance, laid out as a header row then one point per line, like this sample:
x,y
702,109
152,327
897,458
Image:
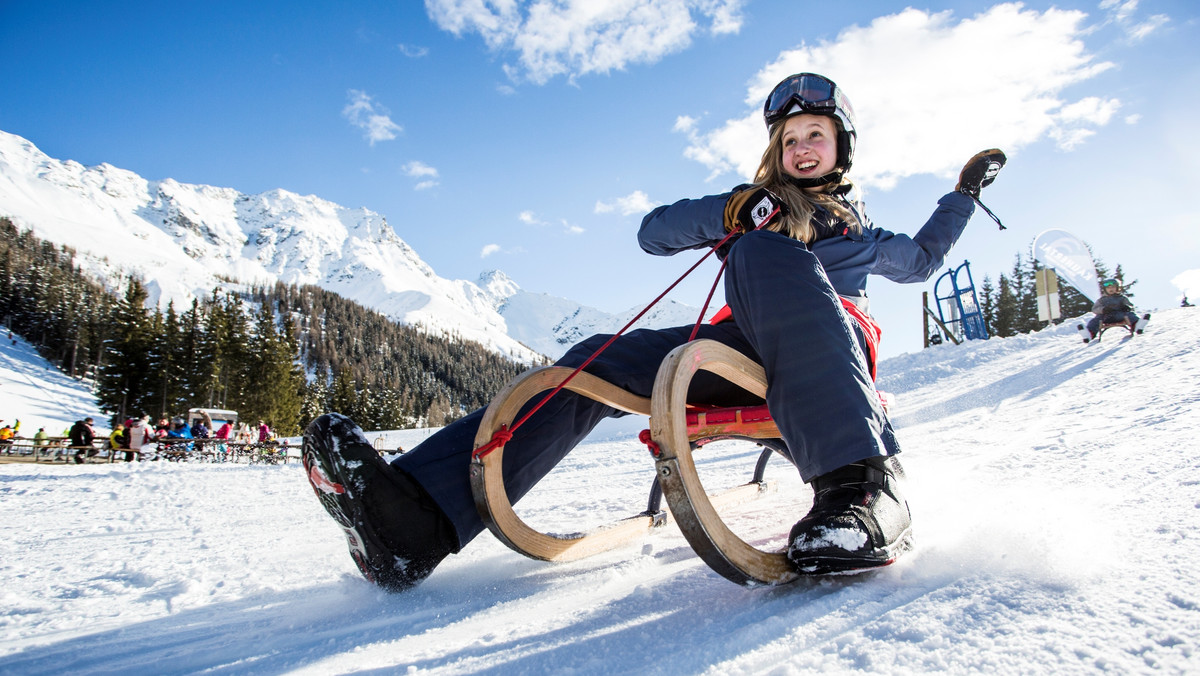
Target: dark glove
x,y
980,171
753,208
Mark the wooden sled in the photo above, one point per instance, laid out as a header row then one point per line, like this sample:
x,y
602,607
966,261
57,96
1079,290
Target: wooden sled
x,y
1130,330
675,429
1124,324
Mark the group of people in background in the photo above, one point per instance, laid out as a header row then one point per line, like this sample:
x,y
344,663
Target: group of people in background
x,y
132,436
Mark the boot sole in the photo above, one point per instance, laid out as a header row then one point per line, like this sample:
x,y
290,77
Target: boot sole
x,y
332,483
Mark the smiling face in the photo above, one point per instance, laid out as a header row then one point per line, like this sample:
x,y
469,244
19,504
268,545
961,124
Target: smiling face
x,y
809,146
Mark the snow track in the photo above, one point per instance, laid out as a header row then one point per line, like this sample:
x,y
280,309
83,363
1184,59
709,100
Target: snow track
x,y
1056,498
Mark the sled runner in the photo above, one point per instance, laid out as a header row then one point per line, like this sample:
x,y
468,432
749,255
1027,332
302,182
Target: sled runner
x,y
675,431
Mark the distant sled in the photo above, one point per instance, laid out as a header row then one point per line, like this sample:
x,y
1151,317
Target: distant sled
x,y
1130,330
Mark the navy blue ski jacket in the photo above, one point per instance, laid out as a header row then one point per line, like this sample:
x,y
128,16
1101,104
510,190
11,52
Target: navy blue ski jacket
x,y
847,258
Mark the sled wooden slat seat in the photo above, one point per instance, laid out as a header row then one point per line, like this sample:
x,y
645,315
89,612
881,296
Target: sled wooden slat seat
x,y
754,422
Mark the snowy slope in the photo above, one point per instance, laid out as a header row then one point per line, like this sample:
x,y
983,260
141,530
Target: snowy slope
x,y
1056,497
183,240
38,394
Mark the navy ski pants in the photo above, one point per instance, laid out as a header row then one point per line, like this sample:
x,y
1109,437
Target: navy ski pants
x,y
786,316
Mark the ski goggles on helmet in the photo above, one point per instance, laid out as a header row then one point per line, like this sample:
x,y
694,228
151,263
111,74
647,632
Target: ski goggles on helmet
x,y
807,93
1109,282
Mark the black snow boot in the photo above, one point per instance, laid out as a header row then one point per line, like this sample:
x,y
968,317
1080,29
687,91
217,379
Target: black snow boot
x,y
396,532
858,520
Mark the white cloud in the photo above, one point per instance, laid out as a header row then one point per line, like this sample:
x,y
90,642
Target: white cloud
x,y
1122,13
636,202
685,124
1188,282
421,170
488,250
372,118
413,51
930,90
578,37
528,218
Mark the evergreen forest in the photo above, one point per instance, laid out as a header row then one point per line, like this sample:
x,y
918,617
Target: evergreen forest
x,y
283,354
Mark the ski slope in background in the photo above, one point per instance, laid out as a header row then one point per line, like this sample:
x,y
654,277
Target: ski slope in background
x,y
1055,489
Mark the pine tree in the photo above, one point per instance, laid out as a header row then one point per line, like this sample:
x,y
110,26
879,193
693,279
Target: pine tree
x,y
273,392
344,397
316,397
172,388
987,304
123,380
1025,292
1006,310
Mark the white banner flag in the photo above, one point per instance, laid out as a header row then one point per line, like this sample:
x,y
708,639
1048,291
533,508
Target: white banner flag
x,y
1069,257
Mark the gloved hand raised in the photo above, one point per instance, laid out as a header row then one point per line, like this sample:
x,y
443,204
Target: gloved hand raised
x,y
753,208
980,171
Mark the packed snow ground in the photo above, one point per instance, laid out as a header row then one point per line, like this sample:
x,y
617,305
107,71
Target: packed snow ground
x,y
1055,489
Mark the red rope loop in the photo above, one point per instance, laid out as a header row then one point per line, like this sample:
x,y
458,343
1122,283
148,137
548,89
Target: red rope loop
x,y
499,438
651,444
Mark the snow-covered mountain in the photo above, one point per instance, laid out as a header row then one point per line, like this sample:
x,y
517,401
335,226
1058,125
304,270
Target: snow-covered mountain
x,y
550,324
183,240
1055,491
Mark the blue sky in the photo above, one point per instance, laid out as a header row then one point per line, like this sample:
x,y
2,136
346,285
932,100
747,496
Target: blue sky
x,y
531,137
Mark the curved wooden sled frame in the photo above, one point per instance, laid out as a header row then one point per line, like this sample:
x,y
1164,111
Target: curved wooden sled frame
x,y
1124,324
691,507
487,476
491,497
712,540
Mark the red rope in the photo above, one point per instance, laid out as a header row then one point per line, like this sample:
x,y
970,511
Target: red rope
x,y
499,438
503,435
651,444
707,300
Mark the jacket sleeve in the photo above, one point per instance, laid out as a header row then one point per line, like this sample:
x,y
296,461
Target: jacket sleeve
x,y
907,259
1108,304
686,224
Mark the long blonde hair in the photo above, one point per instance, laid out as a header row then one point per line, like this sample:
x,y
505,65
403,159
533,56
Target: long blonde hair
x,y
803,202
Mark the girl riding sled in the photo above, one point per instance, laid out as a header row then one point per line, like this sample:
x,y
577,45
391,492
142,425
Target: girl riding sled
x,y
795,285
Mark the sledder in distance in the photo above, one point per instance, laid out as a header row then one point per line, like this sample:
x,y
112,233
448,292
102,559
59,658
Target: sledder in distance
x,y
1112,309
1136,329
